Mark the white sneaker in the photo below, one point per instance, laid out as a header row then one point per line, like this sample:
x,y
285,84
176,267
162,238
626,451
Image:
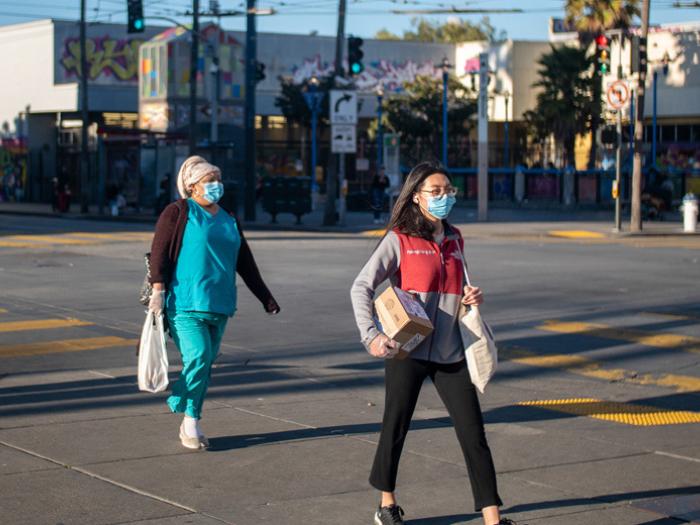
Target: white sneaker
x,y
194,443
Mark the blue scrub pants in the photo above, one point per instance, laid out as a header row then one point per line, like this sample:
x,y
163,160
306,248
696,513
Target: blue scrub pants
x,y
198,337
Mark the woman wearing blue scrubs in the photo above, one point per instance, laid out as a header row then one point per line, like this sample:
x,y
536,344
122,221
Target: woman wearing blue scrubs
x,y
197,249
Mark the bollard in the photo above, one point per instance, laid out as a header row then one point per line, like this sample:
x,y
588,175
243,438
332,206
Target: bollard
x,y
690,213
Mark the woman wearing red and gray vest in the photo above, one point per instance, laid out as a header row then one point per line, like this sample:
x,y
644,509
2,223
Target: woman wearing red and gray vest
x,y
421,254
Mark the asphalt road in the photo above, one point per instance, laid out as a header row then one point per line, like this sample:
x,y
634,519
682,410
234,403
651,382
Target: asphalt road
x,y
593,418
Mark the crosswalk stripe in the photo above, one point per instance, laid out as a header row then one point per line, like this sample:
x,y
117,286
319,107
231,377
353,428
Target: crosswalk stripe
x,y
65,345
41,324
3,310
656,340
589,368
51,239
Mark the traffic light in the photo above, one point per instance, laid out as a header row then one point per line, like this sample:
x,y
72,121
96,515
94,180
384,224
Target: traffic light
x,y
259,72
603,53
638,59
355,55
136,23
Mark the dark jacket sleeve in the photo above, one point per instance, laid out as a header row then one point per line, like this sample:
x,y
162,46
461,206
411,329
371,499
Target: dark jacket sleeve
x,y
161,263
248,270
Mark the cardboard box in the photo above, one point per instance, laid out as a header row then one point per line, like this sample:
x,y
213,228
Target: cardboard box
x,y
402,318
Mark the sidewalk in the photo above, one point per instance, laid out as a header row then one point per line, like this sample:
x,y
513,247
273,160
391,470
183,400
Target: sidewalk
x,y
502,221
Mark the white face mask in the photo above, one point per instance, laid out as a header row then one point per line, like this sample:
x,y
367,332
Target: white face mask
x,y
213,191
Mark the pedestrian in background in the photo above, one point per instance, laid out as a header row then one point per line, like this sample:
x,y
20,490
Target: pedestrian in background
x,y
421,254
380,182
197,249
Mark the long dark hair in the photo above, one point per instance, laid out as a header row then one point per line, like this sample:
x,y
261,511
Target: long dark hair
x,y
406,215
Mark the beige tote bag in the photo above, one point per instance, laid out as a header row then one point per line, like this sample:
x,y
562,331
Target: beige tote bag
x,y
479,344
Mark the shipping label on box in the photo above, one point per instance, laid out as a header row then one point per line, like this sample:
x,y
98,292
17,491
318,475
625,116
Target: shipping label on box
x,y
402,318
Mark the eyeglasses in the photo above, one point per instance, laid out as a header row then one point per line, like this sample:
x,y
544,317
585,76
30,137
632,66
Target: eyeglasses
x,y
439,192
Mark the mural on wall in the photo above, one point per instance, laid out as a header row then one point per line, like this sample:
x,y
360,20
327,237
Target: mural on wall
x,y
391,75
108,58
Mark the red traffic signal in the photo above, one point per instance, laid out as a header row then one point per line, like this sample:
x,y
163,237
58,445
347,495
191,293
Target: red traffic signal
x,y
602,41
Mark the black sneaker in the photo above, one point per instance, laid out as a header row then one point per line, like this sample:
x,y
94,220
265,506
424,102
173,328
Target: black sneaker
x,y
391,515
506,521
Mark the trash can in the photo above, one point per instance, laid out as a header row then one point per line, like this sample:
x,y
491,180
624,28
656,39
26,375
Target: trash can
x,y
690,213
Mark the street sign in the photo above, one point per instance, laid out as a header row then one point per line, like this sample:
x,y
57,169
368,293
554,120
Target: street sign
x,y
343,106
343,138
618,94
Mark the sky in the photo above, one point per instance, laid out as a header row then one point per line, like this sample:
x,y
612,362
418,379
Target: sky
x,y
364,17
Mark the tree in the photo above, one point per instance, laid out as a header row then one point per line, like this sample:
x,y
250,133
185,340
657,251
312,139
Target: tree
x,y
453,31
417,113
293,105
566,104
590,18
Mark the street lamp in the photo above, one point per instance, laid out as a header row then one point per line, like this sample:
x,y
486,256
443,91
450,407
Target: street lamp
x,y
445,65
380,131
313,100
506,136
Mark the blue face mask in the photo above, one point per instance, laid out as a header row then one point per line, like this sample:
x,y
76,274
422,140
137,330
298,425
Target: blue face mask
x,y
213,191
440,207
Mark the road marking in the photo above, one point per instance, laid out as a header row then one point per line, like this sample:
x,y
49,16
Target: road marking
x,y
656,340
66,345
589,368
674,316
676,456
41,324
374,233
3,310
626,413
575,234
50,239
14,244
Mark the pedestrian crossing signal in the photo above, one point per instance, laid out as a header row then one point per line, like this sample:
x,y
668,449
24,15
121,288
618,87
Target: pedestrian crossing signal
x,y
135,21
355,55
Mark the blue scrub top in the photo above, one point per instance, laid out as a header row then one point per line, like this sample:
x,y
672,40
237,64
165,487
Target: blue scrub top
x,y
205,274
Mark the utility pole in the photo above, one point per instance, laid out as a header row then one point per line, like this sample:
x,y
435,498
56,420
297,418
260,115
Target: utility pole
x,y
618,152
194,60
482,180
251,53
337,162
636,198
84,153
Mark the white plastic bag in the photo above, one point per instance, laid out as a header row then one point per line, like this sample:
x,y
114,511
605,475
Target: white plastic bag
x,y
153,357
479,343
480,348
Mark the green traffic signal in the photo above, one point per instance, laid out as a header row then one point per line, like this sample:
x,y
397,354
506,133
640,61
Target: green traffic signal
x,y
356,68
138,24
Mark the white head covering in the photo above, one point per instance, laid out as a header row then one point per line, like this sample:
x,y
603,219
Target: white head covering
x,y
194,169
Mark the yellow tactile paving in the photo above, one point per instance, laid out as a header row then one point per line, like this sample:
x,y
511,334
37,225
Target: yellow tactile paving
x,y
589,368
626,413
575,234
41,324
656,340
65,345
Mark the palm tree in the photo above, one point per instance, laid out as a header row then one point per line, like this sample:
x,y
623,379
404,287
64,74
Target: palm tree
x,y
565,106
591,18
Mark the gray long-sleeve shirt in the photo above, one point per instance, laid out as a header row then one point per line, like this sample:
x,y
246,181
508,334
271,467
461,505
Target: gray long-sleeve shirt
x,y
433,273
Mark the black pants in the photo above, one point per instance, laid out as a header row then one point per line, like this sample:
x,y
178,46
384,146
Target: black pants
x,y
403,379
